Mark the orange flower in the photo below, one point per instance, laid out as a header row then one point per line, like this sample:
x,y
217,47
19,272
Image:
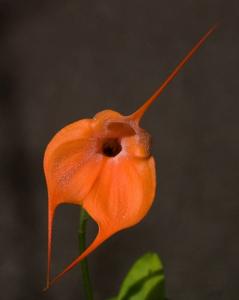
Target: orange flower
x,y
105,165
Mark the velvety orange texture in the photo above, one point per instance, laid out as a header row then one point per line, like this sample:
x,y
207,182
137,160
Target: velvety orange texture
x,y
104,164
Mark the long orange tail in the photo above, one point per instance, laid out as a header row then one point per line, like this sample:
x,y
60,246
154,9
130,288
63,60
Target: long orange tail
x,y
100,238
51,211
137,115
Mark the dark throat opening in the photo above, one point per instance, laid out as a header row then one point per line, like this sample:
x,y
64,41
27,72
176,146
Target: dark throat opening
x,y
111,147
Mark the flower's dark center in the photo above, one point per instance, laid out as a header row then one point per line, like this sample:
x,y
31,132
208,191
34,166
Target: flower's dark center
x,y
111,147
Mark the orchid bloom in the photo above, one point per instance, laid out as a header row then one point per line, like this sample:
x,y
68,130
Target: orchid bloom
x,y
104,164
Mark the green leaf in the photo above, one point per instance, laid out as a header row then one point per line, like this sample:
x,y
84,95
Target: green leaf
x,y
144,281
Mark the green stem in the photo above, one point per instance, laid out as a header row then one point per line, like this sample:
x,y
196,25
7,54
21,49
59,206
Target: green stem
x,y
84,264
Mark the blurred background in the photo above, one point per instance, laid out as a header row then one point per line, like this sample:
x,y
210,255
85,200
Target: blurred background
x,y
61,61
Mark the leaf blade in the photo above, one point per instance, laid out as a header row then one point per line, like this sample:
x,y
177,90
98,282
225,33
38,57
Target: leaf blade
x,y
145,280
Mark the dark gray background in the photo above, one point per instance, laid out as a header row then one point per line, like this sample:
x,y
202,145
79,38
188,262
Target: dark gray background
x,y
61,61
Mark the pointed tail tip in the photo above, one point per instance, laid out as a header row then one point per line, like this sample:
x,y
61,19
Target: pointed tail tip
x,y
214,27
217,24
137,115
46,288
48,285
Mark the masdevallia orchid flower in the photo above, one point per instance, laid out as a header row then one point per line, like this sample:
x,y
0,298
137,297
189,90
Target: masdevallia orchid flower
x,y
104,164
